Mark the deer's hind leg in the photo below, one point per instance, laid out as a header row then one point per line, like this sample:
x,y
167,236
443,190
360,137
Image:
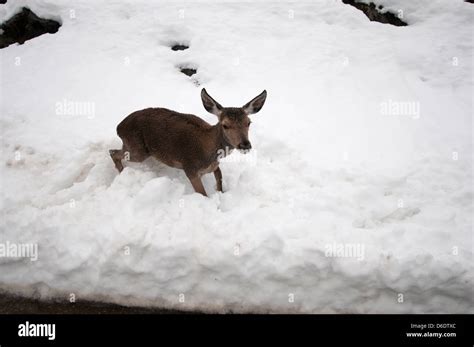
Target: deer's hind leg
x,y
132,150
117,155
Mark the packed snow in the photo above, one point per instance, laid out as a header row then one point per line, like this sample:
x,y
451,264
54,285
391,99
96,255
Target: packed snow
x,y
357,197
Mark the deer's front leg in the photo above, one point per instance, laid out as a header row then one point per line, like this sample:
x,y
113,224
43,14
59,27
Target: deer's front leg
x,y
218,176
197,183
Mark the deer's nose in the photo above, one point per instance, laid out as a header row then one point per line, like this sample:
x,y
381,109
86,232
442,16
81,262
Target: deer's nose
x,y
245,145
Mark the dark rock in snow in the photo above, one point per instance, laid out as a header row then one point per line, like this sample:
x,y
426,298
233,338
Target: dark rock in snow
x,y
374,15
188,71
24,26
179,47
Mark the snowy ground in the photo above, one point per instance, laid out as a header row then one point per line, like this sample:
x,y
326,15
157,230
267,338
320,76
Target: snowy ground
x,y
364,144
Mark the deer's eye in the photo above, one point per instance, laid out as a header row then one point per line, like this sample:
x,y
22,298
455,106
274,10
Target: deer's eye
x,y
226,127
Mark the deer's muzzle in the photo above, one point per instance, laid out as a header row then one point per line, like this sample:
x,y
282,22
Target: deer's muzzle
x,y
245,145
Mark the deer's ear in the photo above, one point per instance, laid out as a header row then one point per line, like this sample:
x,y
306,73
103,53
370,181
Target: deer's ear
x,y
210,104
256,104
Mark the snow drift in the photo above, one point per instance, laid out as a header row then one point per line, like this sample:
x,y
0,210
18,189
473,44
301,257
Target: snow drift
x,y
357,198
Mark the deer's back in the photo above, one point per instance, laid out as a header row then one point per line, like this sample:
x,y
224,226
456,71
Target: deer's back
x,y
175,138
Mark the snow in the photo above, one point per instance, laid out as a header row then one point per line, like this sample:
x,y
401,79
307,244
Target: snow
x,y
364,145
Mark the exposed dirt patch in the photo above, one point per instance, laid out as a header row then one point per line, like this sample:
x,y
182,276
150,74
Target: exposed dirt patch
x,y
24,26
374,14
10,304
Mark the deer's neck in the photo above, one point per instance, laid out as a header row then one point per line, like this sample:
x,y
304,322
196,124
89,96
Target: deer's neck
x,y
222,146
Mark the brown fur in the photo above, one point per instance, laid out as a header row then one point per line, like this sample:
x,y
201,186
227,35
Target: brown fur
x,y
185,141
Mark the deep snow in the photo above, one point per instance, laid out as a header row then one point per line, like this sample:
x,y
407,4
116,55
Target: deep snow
x,y
337,161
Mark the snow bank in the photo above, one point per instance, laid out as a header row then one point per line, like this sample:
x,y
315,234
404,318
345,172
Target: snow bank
x,y
358,197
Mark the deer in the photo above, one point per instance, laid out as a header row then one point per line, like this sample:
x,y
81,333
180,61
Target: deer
x,y
185,141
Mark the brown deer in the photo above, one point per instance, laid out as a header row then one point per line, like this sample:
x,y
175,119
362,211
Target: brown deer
x,y
185,141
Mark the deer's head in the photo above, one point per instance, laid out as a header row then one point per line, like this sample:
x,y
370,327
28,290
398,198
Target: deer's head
x,y
234,121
